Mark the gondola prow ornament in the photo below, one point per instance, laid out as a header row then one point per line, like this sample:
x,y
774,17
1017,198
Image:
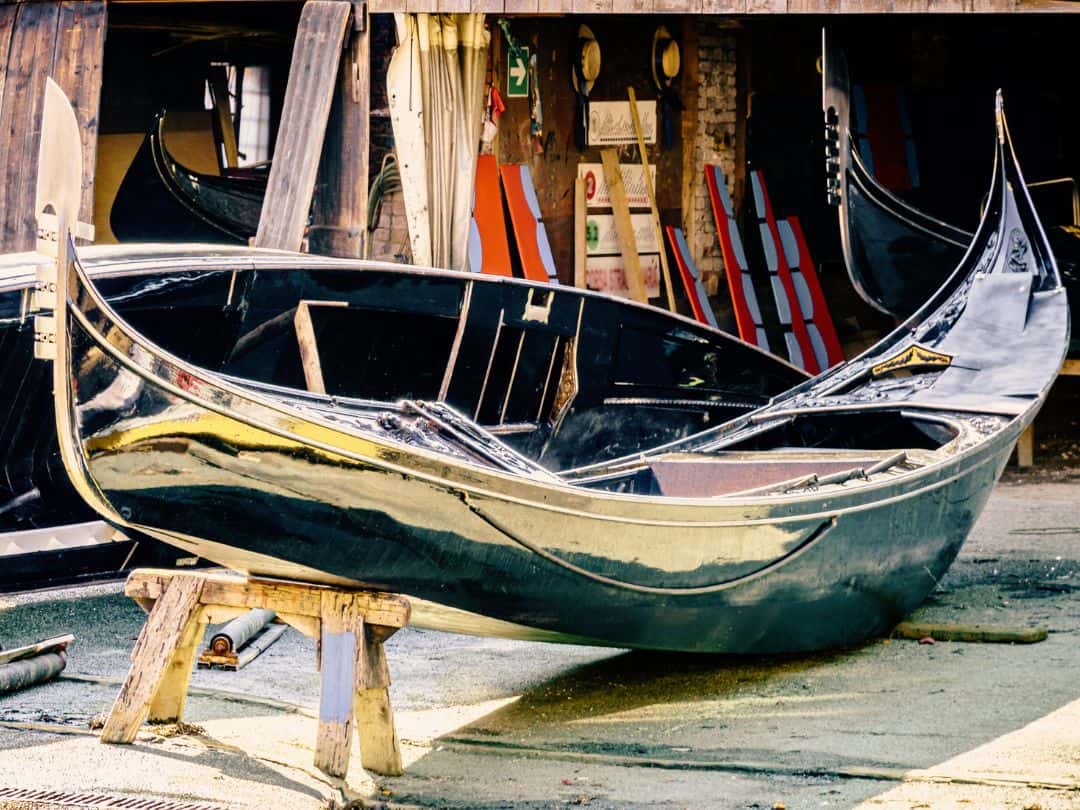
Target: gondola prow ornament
x,y
56,206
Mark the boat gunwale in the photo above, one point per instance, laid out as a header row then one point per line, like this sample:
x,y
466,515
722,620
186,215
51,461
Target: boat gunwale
x,y
727,502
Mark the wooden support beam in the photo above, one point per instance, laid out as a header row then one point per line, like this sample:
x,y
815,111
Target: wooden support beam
x,y
351,626
312,74
300,599
339,216
620,208
580,246
219,91
342,666
1025,447
155,660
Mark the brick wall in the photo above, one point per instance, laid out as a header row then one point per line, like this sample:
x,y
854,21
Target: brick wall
x,y
715,138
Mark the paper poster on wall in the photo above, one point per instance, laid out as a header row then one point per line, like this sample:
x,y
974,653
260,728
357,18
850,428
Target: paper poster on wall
x,y
601,237
633,178
610,122
606,274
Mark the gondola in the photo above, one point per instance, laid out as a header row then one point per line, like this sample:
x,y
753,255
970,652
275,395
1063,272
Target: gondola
x,y
897,255
815,521
161,200
603,377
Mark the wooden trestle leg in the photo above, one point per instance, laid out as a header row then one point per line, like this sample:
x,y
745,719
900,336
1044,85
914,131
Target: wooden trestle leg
x,y
350,626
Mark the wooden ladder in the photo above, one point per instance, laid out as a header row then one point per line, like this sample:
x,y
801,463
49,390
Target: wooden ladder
x,y
349,625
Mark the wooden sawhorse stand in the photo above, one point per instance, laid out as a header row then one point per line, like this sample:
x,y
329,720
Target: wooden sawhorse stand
x,y
350,627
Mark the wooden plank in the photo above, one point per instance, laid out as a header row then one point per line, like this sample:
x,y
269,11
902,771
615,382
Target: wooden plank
x,y
580,244
315,59
522,6
219,90
723,6
168,703
339,215
380,749
766,6
284,598
650,191
635,281
679,7
984,633
1025,447
342,667
152,658
30,59
593,6
813,6
691,174
77,64
1071,368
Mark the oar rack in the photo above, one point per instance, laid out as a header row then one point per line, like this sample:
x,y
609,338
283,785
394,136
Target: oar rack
x,y
349,625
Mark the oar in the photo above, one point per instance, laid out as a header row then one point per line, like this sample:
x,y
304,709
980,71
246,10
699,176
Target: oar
x,y
652,200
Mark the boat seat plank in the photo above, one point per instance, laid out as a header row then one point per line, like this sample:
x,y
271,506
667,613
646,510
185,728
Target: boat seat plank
x,y
704,477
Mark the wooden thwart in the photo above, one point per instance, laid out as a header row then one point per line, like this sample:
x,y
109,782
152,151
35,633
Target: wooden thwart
x,y
351,627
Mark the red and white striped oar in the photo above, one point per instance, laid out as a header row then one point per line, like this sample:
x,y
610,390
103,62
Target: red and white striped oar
x,y
743,298
796,337
691,279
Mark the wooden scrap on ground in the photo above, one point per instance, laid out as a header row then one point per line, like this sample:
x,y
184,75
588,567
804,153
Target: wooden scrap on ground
x,y
979,633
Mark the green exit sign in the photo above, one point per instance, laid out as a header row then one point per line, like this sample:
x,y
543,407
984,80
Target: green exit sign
x,y
517,73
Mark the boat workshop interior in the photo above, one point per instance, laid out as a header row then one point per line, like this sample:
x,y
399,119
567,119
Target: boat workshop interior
x,y
660,241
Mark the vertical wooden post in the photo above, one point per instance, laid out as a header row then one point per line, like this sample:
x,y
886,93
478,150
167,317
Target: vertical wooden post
x,y
157,658
339,217
168,704
380,751
580,224
312,73
1025,447
219,89
342,666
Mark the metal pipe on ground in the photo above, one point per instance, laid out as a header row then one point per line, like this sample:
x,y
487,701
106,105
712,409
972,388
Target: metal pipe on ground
x,y
240,631
29,671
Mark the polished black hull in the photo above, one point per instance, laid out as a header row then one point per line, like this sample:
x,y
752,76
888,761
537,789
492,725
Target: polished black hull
x,y
896,255
227,315
814,521
160,200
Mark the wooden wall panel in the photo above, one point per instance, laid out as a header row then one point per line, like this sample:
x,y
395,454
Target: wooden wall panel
x,y
77,64
29,62
64,40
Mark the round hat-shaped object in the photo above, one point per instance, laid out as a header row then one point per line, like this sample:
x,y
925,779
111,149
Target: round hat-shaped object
x,y
586,61
666,58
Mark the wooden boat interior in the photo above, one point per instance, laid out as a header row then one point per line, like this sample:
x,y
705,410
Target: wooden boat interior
x,y
563,378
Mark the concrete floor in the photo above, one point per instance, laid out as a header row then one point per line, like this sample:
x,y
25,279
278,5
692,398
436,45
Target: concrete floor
x,y
489,723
